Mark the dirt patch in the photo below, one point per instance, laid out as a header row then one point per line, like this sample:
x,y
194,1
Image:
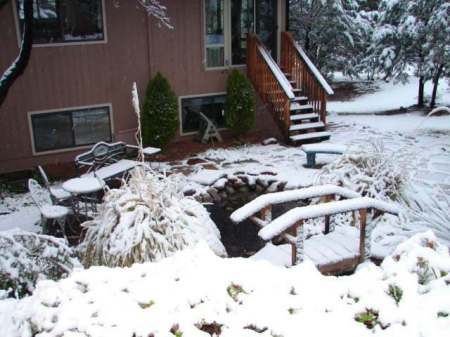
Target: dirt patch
x,y
349,90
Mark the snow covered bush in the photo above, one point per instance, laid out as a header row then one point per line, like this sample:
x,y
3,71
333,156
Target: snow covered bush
x,y
371,171
159,113
240,104
147,219
26,258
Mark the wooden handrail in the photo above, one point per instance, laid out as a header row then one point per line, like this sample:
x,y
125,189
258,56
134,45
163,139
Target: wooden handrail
x,y
269,81
307,77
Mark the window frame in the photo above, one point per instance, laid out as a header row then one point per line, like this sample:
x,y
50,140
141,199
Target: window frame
x,y
76,108
60,44
180,111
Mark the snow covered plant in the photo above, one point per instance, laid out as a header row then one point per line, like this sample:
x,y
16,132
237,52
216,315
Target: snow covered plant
x,y
27,257
427,209
147,219
369,170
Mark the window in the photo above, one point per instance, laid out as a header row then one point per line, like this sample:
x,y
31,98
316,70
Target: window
x,y
65,21
68,129
215,33
211,106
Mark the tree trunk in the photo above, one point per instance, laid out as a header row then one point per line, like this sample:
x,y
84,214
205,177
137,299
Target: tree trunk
x,y
435,85
17,68
420,98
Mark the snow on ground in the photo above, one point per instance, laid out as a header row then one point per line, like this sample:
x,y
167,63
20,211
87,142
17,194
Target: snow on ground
x,y
19,212
196,293
390,96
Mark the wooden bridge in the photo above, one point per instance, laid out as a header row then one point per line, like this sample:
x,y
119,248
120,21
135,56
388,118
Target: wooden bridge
x,y
338,251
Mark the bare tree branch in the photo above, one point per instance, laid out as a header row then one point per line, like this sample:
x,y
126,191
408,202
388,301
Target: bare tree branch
x,y
17,68
156,9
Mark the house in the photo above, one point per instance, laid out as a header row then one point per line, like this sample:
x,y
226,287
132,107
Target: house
x,y
76,89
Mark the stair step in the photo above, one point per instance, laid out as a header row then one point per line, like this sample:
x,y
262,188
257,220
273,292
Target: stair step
x,y
306,126
310,136
300,99
304,116
296,90
296,106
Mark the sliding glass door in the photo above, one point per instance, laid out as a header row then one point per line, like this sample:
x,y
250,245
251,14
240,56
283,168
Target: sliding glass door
x,y
227,23
266,24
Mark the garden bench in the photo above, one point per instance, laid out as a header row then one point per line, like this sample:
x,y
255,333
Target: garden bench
x,y
312,150
108,161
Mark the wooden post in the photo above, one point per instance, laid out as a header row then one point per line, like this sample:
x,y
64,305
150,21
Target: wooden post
x,y
328,198
362,234
298,249
266,214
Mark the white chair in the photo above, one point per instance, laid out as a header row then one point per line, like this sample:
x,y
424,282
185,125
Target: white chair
x,y
49,212
57,193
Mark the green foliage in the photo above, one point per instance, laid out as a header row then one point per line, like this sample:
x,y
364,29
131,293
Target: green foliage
x,y
159,114
369,318
234,290
395,292
240,104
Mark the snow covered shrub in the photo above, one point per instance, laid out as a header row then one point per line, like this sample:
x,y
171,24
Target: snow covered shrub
x,y
147,219
421,255
240,103
369,170
27,257
159,113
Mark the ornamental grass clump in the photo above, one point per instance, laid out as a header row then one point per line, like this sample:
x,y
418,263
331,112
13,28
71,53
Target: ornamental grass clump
x,y
147,219
371,171
26,258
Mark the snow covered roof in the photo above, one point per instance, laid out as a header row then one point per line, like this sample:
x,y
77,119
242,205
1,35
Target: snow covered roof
x,y
290,218
281,197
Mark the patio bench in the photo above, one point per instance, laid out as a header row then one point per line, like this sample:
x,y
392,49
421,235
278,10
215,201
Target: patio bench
x,y
312,150
108,160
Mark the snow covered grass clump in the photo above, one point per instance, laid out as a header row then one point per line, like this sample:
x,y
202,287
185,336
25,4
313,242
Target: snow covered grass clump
x,y
27,257
196,293
147,219
427,208
371,171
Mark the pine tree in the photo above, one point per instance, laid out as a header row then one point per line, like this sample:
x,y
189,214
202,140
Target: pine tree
x,y
334,33
159,114
412,33
240,104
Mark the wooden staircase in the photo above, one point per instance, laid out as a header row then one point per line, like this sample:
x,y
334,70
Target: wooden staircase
x,y
295,91
305,124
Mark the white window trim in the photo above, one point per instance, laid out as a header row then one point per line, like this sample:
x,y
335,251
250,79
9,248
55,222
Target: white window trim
x,y
180,111
70,149
227,37
59,44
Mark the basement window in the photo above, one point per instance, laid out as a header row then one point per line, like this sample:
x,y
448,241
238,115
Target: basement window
x,y
212,107
70,129
65,21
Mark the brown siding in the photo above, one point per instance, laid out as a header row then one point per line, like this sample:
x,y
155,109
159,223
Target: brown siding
x,y
60,77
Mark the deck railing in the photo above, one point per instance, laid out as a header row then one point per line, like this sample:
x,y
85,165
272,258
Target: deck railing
x,y
307,77
269,81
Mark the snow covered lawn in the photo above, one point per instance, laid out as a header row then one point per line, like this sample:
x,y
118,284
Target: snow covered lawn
x,y
196,293
390,96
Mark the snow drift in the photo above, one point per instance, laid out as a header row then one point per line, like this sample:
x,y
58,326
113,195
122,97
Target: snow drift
x,y
195,291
